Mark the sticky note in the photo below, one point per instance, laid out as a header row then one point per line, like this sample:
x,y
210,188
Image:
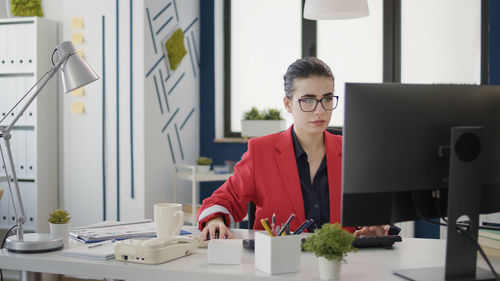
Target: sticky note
x,y
77,107
77,92
80,53
77,23
77,38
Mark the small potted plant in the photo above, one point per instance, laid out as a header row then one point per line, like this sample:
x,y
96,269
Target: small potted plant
x,y
203,165
59,223
330,243
257,123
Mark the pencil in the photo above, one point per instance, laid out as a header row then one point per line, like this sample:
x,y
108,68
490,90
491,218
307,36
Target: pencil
x,y
266,227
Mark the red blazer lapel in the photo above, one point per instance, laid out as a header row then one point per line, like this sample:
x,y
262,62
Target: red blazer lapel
x,y
288,171
333,149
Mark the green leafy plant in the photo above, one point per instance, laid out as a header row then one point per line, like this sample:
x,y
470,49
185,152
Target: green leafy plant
x,y
204,161
330,241
26,8
269,114
59,216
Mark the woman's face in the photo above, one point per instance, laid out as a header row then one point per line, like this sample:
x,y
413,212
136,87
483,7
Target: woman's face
x,y
315,87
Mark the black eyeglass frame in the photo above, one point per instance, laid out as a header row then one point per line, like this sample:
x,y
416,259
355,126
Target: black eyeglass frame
x,y
335,98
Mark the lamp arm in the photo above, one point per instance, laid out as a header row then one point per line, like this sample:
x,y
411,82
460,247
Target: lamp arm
x,y
51,73
18,205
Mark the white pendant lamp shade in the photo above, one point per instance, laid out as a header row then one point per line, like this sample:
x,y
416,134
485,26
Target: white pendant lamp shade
x,y
335,9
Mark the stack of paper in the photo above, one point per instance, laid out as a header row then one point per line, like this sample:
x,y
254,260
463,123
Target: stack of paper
x,y
490,241
101,251
113,230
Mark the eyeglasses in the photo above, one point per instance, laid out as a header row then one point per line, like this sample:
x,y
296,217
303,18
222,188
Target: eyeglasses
x,y
310,104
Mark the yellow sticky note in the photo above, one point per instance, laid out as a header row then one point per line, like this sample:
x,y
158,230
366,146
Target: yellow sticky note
x,y
77,92
77,107
77,38
80,53
77,23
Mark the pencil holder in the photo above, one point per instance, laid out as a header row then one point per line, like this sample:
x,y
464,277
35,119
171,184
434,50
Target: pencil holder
x,y
277,254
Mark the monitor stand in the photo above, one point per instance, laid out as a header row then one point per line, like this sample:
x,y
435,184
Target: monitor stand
x,y
464,197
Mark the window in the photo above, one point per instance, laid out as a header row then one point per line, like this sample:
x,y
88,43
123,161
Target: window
x,y
409,41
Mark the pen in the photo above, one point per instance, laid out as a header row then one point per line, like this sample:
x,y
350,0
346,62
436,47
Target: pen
x,y
95,245
286,224
273,223
266,227
300,228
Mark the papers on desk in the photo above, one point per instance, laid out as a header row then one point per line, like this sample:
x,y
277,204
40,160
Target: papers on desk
x,y
101,251
110,230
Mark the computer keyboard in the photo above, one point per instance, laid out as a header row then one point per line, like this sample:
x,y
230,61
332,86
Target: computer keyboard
x,y
376,241
359,242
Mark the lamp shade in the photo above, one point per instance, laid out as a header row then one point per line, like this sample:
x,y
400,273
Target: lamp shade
x,y
335,9
75,72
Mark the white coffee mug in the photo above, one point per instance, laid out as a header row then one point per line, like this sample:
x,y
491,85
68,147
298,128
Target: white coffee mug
x,y
169,219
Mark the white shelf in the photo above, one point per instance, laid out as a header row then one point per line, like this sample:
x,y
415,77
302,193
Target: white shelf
x,y
29,42
188,172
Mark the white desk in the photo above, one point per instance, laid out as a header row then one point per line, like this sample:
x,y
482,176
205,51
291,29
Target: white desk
x,y
188,172
366,264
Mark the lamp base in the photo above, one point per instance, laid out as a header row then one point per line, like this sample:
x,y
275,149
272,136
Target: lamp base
x,y
34,243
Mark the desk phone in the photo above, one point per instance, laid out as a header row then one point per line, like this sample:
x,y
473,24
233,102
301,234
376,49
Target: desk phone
x,y
155,250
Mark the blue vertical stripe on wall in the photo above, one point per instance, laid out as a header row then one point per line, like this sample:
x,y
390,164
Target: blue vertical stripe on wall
x,y
117,111
217,151
132,191
494,42
103,118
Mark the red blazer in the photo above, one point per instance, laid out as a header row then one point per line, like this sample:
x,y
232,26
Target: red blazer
x,y
267,175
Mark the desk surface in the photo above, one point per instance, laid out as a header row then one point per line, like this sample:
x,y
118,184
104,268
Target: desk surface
x,y
366,264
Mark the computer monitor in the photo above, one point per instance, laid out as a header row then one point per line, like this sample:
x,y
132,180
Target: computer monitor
x,y
397,152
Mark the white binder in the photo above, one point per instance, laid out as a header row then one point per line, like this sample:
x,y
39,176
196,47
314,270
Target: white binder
x,y
20,85
29,81
4,206
29,52
3,47
11,48
30,154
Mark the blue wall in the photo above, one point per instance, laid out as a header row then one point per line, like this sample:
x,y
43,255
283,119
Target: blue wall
x,y
217,151
494,43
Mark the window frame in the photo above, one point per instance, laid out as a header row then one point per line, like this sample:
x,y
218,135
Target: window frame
x,y
391,50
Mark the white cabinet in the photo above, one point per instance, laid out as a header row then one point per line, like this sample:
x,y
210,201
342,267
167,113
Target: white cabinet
x,y
26,45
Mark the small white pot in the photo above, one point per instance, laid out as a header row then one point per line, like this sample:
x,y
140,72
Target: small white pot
x,y
61,230
257,128
329,270
203,169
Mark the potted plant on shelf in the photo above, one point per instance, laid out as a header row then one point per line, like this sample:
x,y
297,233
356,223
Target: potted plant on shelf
x,y
59,223
203,165
330,243
257,123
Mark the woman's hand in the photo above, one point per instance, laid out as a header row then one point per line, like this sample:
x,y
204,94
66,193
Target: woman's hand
x,y
215,229
374,230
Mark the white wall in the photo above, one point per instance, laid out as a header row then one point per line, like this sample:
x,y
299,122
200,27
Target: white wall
x,y
81,135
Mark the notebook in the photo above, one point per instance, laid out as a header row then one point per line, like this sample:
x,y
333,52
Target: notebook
x,y
100,251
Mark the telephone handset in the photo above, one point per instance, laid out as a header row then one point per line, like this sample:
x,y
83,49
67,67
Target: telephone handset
x,y
155,250
160,242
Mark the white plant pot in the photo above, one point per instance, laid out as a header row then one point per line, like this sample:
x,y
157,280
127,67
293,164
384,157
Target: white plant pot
x,y
203,169
329,270
258,128
61,230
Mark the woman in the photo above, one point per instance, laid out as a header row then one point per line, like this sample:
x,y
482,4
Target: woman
x,y
296,171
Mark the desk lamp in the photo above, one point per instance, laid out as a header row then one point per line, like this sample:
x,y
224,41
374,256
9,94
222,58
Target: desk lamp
x,y
75,73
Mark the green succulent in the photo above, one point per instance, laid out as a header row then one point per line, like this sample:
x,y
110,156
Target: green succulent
x,y
330,241
26,8
59,216
269,114
204,161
